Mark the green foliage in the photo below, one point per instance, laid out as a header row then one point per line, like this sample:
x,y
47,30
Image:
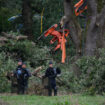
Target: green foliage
x,y
33,55
6,64
87,75
27,51
100,5
4,24
91,69
92,74
7,10
53,11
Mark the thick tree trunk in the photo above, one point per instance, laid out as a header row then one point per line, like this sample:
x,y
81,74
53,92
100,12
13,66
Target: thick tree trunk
x,y
91,36
95,31
101,31
27,18
73,25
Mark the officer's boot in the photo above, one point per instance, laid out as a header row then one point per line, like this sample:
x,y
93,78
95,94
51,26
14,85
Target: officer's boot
x,y
55,92
50,92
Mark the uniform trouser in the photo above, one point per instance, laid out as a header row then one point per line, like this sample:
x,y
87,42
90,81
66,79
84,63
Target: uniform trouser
x,y
25,85
52,86
13,88
50,91
22,86
19,90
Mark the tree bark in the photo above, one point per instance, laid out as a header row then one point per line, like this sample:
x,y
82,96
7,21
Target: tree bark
x,y
27,18
73,25
95,31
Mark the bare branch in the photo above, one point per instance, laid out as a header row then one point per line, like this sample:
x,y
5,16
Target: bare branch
x,y
10,36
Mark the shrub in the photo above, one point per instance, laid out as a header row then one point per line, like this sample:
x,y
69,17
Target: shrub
x,y
32,54
27,51
92,74
86,75
6,64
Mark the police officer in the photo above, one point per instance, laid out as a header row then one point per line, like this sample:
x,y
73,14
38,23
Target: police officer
x,y
17,74
19,65
24,78
51,74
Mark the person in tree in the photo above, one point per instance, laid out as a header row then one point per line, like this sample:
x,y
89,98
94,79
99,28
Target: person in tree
x,y
51,74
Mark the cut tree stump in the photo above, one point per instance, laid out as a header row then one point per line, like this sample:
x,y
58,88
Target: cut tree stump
x,y
3,40
45,86
9,36
19,38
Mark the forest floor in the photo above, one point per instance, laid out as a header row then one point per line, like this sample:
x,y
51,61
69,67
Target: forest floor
x,y
75,99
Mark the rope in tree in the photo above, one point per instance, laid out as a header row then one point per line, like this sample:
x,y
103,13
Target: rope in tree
x,y
42,20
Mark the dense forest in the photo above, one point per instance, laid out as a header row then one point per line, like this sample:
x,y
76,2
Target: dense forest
x,y
22,22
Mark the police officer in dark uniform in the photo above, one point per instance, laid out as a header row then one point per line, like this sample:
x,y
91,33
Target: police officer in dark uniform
x,y
19,65
51,74
22,75
17,74
24,78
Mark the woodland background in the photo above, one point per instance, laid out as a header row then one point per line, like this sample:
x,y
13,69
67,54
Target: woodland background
x,y
84,70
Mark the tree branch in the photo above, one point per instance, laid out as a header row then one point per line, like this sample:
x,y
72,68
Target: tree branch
x,y
10,36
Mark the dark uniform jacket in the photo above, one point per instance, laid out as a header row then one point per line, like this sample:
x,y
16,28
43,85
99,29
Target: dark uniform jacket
x,y
50,73
25,74
15,72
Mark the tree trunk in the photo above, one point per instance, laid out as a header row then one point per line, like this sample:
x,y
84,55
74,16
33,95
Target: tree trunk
x,y
27,18
95,31
73,25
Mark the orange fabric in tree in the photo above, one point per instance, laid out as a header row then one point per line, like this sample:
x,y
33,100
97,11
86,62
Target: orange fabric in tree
x,y
60,37
50,30
77,7
63,48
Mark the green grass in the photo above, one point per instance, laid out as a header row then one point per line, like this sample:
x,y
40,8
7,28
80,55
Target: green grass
x,y
60,100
